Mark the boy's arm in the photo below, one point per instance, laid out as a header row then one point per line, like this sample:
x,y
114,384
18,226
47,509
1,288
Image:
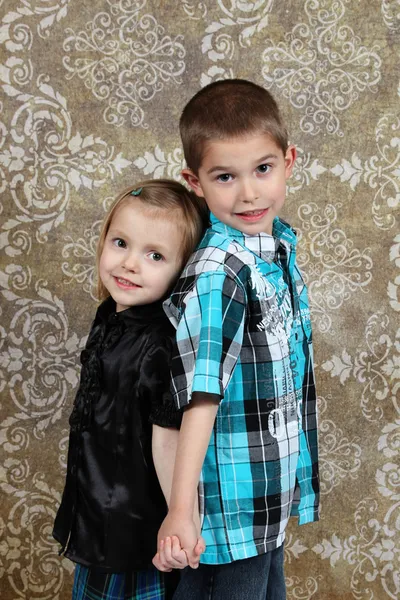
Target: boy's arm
x,y
197,425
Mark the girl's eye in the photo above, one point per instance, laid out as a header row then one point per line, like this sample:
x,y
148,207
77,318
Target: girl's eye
x,y
224,177
263,168
156,256
120,243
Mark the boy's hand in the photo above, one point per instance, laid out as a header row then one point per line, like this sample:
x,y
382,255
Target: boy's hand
x,y
171,556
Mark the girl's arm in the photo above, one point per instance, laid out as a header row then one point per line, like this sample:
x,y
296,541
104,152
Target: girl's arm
x,y
164,446
197,425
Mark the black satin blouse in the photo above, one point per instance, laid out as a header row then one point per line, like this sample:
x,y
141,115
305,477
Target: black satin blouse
x,y
112,505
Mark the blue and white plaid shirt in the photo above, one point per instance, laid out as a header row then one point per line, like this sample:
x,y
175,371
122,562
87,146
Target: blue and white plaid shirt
x,y
244,333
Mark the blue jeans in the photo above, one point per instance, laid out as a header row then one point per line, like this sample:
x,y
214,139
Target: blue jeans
x,y
257,578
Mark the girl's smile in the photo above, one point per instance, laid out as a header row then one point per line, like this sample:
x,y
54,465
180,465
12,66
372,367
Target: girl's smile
x,y
125,284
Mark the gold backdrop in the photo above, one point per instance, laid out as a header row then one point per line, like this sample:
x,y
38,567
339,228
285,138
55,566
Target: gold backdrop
x,y
90,96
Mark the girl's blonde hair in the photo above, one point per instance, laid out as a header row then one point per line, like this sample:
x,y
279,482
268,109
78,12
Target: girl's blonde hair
x,y
183,207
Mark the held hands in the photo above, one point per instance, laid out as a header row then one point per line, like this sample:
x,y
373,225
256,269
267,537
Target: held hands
x,y
179,544
171,556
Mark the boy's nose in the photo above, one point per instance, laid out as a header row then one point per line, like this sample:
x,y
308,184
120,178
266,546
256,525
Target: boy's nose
x,y
249,191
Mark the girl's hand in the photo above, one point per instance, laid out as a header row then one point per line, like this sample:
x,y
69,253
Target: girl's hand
x,y
170,555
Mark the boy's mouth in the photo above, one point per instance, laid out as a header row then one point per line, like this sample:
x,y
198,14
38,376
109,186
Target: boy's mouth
x,y
253,215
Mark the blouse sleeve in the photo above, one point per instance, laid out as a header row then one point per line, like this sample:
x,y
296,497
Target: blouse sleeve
x,y
154,385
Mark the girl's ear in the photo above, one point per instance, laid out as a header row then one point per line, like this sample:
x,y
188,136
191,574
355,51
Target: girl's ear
x,y
193,181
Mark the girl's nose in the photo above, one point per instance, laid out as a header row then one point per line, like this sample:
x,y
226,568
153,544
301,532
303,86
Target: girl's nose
x,y
131,263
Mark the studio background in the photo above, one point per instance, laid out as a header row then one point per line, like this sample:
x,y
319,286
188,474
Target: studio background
x,y
90,97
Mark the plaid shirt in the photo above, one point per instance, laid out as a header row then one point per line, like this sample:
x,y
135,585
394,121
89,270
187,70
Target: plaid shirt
x,y
244,332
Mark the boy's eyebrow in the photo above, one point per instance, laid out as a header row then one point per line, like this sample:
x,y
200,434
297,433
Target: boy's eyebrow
x,y
227,169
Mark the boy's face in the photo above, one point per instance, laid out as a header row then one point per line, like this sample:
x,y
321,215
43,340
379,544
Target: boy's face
x,y
244,181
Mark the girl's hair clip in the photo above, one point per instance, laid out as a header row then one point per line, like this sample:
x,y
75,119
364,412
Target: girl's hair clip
x,y
136,192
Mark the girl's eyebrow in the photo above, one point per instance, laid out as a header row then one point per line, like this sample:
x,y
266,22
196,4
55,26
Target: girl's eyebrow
x,y
155,245
114,233
228,169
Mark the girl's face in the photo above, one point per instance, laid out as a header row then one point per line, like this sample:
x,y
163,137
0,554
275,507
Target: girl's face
x,y
141,257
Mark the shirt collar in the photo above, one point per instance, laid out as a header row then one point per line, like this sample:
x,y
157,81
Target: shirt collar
x,y
262,244
130,316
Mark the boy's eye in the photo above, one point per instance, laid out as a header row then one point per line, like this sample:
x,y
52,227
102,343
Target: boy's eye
x,y
120,243
156,256
263,168
224,177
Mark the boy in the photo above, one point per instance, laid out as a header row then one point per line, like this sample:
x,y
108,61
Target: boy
x,y
243,364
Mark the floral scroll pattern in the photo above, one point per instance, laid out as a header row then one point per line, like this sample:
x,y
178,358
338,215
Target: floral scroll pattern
x,y
45,160
374,551
27,533
391,14
155,164
18,34
393,286
339,456
380,172
90,97
322,67
376,366
237,24
125,59
335,269
371,552
38,356
195,10
83,249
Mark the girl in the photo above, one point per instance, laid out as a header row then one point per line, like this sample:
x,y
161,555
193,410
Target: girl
x,y
113,505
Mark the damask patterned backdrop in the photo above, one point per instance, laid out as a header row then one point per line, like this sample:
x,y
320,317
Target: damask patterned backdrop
x,y
90,96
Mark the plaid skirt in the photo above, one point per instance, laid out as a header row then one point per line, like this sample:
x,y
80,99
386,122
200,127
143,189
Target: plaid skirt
x,y
91,584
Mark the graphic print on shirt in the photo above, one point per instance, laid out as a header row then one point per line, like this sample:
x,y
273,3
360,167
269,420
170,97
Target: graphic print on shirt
x,y
278,316
277,323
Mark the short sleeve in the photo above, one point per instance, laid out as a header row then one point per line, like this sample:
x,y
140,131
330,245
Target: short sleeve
x,y
209,337
154,385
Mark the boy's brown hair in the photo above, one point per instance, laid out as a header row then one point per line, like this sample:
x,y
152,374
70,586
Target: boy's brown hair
x,y
228,109
163,196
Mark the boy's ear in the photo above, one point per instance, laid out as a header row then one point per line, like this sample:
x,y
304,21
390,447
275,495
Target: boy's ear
x,y
290,157
193,182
